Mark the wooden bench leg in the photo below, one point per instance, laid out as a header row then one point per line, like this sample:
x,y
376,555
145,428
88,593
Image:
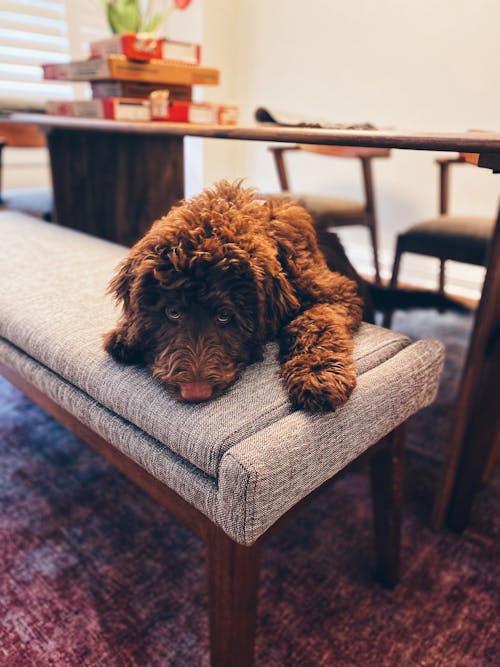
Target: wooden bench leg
x,y
386,467
233,574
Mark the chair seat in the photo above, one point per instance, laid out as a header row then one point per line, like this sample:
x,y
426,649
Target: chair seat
x,y
242,459
326,210
459,238
37,201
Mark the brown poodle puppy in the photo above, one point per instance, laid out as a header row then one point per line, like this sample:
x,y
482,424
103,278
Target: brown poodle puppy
x,y
220,275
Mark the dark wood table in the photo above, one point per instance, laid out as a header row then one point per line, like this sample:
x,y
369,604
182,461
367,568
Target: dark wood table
x,y
113,178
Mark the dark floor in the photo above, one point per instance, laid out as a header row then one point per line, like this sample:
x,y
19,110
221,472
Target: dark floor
x,y
94,574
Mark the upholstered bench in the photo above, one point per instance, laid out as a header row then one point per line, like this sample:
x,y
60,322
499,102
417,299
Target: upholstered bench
x,y
231,469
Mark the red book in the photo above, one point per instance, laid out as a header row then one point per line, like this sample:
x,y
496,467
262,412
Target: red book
x,y
144,46
157,107
195,112
115,108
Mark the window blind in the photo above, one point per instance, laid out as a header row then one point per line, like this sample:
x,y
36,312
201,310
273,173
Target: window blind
x,y
37,31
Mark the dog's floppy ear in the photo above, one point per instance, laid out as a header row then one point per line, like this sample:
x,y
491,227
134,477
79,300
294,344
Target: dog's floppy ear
x,y
277,296
281,301
121,283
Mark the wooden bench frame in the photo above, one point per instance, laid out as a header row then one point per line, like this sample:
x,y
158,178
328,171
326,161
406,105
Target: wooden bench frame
x,y
233,569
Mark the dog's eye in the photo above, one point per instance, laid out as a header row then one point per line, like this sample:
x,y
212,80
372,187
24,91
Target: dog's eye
x,y
173,313
223,316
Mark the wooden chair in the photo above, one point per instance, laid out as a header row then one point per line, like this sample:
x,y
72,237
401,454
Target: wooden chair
x,y
37,200
463,238
332,211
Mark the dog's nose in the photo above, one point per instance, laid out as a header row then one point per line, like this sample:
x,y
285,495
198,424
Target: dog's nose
x,y
196,391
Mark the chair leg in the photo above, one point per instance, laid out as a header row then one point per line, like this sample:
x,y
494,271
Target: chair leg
x,y
373,234
387,321
386,467
395,268
233,573
441,281
441,275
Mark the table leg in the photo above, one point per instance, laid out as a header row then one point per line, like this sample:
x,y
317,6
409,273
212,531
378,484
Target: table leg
x,y
114,184
476,424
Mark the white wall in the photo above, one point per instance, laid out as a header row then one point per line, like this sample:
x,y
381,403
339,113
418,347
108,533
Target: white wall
x,y
188,25
24,168
410,64
417,64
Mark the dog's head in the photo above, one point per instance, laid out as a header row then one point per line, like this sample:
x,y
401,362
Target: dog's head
x,y
203,290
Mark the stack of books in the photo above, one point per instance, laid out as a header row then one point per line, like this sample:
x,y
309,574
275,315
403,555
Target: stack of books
x,y
141,77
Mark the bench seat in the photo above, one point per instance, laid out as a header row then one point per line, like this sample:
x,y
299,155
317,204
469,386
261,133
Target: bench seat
x,y
243,459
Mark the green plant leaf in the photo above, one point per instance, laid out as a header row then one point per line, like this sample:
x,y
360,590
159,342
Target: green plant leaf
x,y
124,16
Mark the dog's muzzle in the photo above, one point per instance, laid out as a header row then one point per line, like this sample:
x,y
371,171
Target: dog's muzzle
x,y
195,391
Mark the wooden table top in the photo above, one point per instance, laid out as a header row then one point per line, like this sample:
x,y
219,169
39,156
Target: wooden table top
x,y
465,142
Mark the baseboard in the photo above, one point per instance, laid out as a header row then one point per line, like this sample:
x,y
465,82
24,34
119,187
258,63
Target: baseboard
x,y
462,280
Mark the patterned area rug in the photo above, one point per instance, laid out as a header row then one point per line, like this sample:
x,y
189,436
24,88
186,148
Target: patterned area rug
x,y
94,574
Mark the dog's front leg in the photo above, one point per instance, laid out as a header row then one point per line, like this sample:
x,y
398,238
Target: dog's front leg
x,y
123,345
316,354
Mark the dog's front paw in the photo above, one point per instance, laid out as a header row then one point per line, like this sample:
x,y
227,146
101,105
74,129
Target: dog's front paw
x,y
318,387
117,346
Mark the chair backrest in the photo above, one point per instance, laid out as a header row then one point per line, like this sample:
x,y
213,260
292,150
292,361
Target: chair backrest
x,y
444,165
18,135
21,135
444,173
364,154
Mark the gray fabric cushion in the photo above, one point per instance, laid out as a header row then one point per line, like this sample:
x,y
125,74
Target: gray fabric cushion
x,y
459,238
267,473
278,466
188,481
242,459
58,312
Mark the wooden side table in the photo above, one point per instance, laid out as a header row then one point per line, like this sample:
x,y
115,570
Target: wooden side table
x,y
114,185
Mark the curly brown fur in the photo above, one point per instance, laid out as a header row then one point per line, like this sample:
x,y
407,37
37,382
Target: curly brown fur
x,y
220,275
